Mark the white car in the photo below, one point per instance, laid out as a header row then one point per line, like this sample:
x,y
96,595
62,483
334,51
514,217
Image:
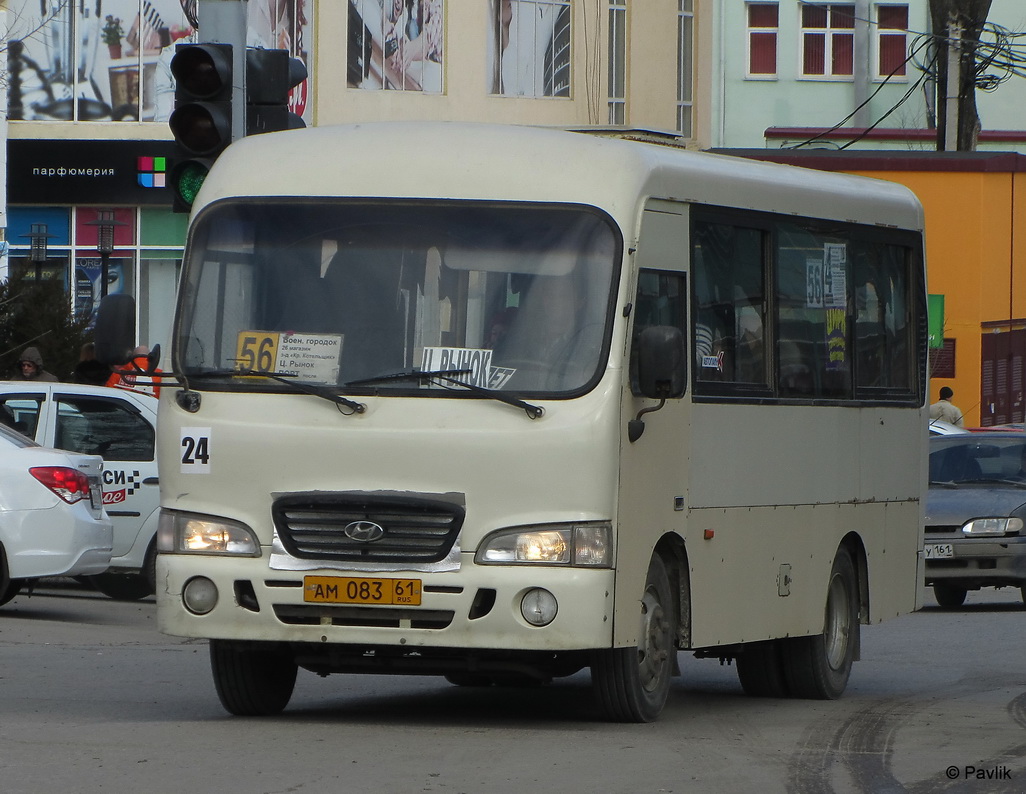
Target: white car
x,y
120,426
52,521
938,427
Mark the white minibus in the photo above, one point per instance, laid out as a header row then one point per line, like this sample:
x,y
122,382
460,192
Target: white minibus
x,y
502,404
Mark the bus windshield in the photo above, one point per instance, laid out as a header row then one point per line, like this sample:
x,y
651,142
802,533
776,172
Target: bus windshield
x,y
341,294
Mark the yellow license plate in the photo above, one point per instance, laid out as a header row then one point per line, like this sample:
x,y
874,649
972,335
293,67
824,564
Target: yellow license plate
x,y
348,590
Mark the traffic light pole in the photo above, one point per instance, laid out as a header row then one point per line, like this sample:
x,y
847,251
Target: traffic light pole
x,y
224,22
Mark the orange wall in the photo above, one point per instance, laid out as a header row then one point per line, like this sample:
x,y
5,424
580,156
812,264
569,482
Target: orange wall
x,y
976,258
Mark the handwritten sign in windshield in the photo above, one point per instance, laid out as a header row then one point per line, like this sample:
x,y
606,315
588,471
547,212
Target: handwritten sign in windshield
x,y
477,360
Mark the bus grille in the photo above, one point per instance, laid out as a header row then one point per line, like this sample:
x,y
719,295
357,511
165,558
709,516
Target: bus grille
x,y
342,527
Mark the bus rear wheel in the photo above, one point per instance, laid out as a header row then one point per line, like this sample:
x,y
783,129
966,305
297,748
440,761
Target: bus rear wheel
x,y
252,681
818,667
632,684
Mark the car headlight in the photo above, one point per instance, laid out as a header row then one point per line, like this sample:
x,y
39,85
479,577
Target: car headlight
x,y
992,526
581,545
190,533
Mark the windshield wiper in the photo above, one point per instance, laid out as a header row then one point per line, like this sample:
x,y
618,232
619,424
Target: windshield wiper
x,y
449,376
287,379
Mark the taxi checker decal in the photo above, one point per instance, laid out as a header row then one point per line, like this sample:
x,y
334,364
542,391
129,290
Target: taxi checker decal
x,y
129,483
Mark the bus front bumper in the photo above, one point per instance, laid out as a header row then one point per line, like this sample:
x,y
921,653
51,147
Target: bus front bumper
x,y
474,607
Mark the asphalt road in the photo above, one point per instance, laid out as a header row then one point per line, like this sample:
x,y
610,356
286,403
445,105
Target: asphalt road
x,y
94,699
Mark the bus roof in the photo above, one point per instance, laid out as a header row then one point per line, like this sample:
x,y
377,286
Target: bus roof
x,y
456,160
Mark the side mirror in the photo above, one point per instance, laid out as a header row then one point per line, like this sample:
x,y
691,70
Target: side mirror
x,y
153,359
114,333
662,374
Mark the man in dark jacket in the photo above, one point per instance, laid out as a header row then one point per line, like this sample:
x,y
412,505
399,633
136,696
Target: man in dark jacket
x,y
30,367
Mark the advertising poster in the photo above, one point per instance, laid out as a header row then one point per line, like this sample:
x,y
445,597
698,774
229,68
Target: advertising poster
x,y
94,60
110,60
529,48
396,45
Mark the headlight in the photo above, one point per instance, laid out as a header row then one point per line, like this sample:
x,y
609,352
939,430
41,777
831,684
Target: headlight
x,y
189,533
584,545
993,526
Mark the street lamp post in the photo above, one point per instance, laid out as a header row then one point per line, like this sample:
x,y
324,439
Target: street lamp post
x,y
105,224
37,249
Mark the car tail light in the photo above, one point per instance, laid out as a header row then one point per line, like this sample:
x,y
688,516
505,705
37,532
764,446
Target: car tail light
x,y
71,485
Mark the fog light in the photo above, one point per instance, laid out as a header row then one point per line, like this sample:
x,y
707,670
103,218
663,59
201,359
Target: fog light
x,y
199,595
538,607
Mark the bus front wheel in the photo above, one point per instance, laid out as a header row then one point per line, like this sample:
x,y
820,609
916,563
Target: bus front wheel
x,y
632,684
251,681
818,667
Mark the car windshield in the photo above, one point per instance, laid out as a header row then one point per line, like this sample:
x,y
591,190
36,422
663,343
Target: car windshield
x,y
979,458
341,294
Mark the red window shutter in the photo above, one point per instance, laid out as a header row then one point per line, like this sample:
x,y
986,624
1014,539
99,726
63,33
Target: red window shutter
x,y
893,17
762,16
814,17
893,45
763,53
842,53
892,55
814,54
842,16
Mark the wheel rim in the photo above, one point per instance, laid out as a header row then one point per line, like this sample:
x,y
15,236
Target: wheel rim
x,y
653,647
838,623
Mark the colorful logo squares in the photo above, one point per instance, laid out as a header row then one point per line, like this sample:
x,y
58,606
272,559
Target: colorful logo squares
x,y
152,171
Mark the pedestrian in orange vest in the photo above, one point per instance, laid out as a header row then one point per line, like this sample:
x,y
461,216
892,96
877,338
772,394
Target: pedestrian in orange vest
x,y
135,374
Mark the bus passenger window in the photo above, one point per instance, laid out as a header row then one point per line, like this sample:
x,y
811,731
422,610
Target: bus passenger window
x,y
729,331
883,317
813,348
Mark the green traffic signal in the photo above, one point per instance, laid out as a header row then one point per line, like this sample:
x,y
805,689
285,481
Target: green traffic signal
x,y
187,178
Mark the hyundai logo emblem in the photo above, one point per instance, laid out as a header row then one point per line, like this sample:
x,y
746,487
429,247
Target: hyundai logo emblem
x,y
364,531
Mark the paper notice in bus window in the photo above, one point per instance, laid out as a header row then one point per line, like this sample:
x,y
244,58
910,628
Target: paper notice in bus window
x,y
813,283
477,362
309,357
835,275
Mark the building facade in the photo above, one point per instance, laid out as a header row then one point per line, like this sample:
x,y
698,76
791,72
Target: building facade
x,y
89,92
857,74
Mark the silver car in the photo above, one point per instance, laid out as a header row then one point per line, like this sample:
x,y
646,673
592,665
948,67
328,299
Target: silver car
x,y
52,521
976,514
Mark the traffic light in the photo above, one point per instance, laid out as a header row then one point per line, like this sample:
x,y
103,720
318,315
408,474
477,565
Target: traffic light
x,y
202,119
270,75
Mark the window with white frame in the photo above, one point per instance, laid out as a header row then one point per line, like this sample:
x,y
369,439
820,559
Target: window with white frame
x,y
892,40
828,36
685,65
617,62
763,26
